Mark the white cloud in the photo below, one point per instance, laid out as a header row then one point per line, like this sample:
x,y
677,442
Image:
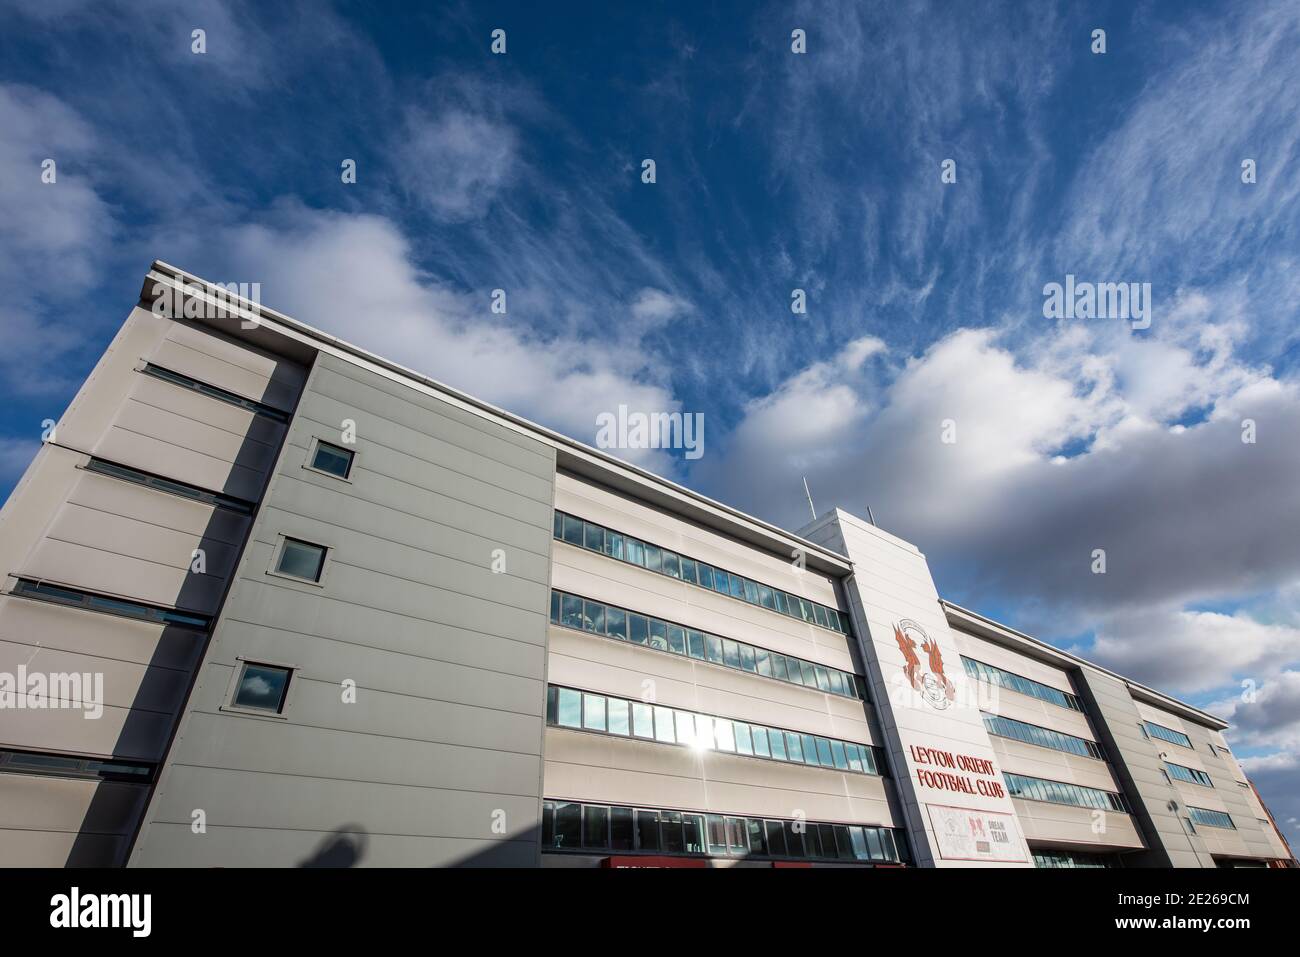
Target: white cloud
x,y
456,161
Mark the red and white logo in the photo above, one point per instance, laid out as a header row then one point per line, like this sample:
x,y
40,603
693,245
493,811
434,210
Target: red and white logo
x,y
928,679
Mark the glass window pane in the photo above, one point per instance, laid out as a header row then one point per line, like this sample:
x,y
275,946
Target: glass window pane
x,y
555,607
572,530
843,845
819,616
620,829
593,537
775,838
717,833
724,735
595,826
823,679
558,529
647,830
779,597
737,587
695,644
704,732
812,842
670,832
779,667
706,575
874,846
635,551
616,623
747,658
654,558
838,756
332,459
743,743
836,680
552,705
751,591
777,740
859,843
613,544
794,747
664,725
677,639
730,653
854,757
688,570
593,617
593,712
763,662
643,724
809,674
639,629
672,566
618,716
570,708
765,597
301,559
262,687
760,742
568,825
572,614
757,838
824,757
721,582
658,634
793,839
693,833
685,726
737,837
713,648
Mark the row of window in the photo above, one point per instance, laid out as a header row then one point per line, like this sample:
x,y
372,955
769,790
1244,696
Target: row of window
x,y
1043,737
1006,679
613,622
1073,859
569,826
1201,815
68,766
597,538
216,392
1190,775
92,601
568,708
170,486
1058,792
1168,734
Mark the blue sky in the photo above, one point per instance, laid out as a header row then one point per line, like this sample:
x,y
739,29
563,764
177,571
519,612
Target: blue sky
x,y
775,171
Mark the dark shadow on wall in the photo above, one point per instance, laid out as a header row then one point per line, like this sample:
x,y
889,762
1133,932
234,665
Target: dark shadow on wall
x,y
175,661
344,848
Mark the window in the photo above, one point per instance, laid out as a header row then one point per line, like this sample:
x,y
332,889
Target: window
x,y
1043,737
68,766
262,688
595,826
170,486
186,382
1168,734
1058,792
604,714
1209,818
299,559
613,622
1189,775
665,562
1005,679
332,459
91,601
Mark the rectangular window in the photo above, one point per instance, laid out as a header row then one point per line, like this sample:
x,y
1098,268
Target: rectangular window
x,y
724,735
43,591
672,567
688,571
743,743
613,544
664,725
639,631
760,742
595,826
730,653
704,732
593,537
332,459
300,559
670,831
647,830
570,711
777,740
572,530
763,663
658,634
706,576
214,392
775,838
713,649
677,639
737,587
618,716
685,727
693,833
593,617
621,835
593,712
794,748
717,834
695,644
170,486
616,623
568,825
747,659
262,687
643,722
635,551
751,591
654,558
571,614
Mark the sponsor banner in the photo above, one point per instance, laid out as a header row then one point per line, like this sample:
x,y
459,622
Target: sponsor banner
x,y
964,834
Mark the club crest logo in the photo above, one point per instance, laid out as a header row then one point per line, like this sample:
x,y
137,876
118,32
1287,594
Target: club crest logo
x,y
927,679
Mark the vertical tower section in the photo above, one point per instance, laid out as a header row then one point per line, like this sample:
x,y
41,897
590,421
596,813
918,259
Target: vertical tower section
x,y
950,783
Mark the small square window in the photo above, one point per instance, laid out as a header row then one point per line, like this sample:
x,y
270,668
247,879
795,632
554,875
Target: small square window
x,y
332,459
301,560
262,687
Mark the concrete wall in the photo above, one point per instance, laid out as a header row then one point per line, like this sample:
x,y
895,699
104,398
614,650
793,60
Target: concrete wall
x,y
443,742
66,525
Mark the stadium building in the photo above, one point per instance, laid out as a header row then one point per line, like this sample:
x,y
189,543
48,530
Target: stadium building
x,y
271,600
